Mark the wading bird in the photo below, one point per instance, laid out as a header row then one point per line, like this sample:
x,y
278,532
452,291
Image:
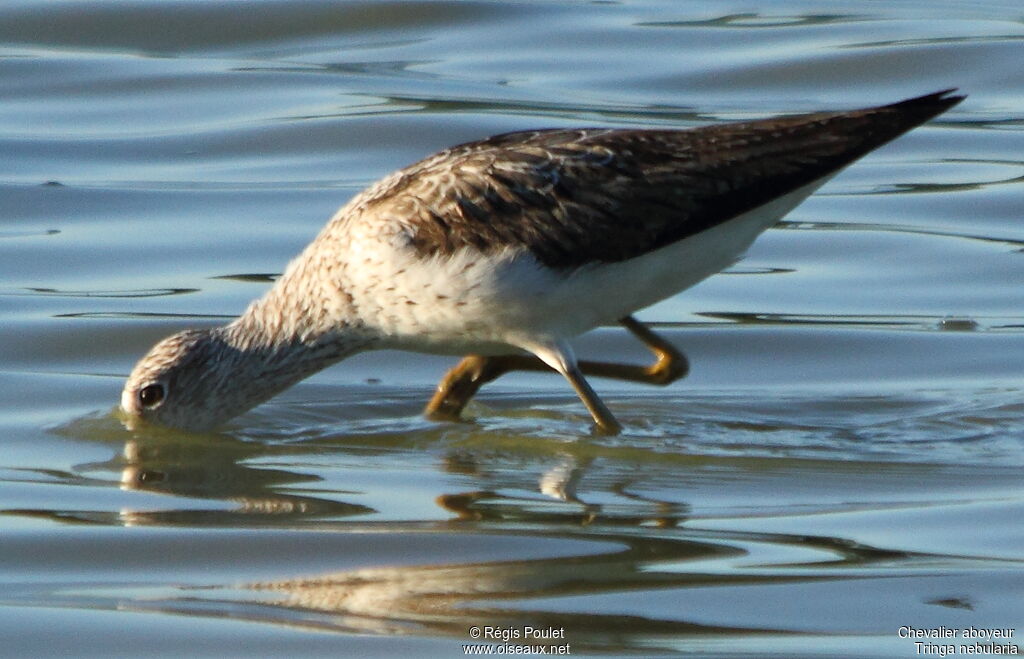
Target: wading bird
x,y
504,249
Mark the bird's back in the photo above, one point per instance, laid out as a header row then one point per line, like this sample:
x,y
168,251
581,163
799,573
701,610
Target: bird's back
x,y
578,196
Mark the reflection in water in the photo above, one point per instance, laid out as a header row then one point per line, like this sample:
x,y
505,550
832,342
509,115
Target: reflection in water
x,y
136,315
894,228
203,468
140,293
250,277
752,20
627,114
448,599
217,470
28,234
562,533
945,324
357,105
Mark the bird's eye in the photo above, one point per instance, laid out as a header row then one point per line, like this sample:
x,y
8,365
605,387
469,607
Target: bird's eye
x,y
151,395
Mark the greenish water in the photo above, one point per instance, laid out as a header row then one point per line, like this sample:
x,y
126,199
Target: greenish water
x,y
844,459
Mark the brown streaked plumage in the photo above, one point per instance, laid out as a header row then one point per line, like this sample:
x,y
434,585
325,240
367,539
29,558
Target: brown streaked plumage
x,y
573,196
515,244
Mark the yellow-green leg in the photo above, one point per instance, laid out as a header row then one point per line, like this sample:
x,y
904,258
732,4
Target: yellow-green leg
x,y
462,382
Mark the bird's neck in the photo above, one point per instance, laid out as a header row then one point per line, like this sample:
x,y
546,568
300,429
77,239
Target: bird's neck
x,y
298,328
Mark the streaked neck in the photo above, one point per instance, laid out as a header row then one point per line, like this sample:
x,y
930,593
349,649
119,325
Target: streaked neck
x,y
296,329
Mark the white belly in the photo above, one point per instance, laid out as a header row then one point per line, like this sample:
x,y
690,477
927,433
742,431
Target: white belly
x,y
604,293
472,302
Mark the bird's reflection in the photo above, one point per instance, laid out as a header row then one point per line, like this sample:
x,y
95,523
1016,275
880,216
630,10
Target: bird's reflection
x,y
217,468
216,480
540,533
262,481
449,599
560,481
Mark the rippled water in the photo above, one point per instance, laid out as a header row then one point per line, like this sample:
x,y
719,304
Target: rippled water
x,y
844,459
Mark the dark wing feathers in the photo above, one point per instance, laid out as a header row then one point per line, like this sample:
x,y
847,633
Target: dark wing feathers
x,y
582,195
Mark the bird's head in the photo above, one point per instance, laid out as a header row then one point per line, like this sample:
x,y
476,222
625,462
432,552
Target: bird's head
x,y
188,381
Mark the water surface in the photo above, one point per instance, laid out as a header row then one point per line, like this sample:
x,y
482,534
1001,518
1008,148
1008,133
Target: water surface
x,y
844,459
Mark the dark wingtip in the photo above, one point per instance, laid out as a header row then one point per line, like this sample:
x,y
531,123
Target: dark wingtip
x,y
905,115
937,102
